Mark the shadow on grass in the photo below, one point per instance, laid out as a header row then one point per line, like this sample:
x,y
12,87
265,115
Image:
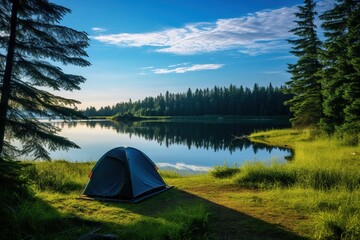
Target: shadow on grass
x,y
222,222
174,214
34,218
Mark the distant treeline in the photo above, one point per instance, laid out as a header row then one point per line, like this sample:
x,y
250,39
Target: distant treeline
x,y
232,100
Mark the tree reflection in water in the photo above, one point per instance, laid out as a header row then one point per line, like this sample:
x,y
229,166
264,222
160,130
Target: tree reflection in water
x,y
210,135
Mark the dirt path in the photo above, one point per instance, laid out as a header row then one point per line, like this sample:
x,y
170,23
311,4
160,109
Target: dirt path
x,y
230,219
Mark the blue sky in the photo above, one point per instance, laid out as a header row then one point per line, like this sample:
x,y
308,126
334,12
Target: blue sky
x,y
142,48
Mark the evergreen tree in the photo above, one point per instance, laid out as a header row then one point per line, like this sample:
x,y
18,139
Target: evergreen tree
x,y
341,73
31,40
305,83
261,101
340,77
352,89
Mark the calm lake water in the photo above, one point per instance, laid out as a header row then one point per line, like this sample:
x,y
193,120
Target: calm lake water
x,y
187,146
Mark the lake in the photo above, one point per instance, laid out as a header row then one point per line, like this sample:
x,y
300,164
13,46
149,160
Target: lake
x,y
196,145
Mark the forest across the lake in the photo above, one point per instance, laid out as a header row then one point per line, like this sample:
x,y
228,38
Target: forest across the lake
x,y
232,100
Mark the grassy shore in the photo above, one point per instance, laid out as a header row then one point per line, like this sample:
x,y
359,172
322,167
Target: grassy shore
x,y
315,196
323,181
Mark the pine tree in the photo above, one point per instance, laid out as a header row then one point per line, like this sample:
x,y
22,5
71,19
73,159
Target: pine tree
x,y
31,41
305,83
352,88
341,64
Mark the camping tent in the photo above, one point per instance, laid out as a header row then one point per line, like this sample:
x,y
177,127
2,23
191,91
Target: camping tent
x,y
124,174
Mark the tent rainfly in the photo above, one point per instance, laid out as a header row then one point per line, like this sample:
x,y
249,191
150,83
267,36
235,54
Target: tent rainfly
x,y
124,174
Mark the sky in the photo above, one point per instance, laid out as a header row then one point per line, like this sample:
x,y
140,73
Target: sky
x,y
141,48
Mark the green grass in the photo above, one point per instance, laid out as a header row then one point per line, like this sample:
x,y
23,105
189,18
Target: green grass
x,y
322,165
224,171
60,176
320,162
314,196
55,212
257,175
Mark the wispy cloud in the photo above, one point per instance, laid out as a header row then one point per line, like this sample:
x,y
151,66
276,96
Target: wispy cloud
x,y
179,64
256,33
251,34
191,68
283,57
274,72
184,167
146,68
99,30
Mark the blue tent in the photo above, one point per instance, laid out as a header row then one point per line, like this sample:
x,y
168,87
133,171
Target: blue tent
x,y
124,174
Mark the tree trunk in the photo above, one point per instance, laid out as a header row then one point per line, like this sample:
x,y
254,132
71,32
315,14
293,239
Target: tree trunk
x,y
6,87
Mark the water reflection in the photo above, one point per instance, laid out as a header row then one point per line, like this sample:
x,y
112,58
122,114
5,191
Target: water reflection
x,y
208,135
195,145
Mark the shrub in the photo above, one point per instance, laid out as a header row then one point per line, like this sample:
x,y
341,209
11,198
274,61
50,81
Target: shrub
x,y
224,171
260,176
13,177
13,191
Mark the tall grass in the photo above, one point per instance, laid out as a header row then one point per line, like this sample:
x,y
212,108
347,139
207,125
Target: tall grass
x,y
258,175
169,174
55,213
193,219
224,171
34,217
338,225
325,165
59,176
23,215
320,162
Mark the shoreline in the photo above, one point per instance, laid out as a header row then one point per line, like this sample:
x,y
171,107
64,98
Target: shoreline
x,y
296,200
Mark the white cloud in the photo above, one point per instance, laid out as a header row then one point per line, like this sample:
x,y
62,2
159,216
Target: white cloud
x,y
252,34
98,29
146,68
184,167
179,64
191,68
257,33
263,47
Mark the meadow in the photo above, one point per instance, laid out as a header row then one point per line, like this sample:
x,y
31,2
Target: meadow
x,y
315,195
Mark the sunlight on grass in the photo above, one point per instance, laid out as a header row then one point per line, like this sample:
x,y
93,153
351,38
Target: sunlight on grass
x,y
60,176
58,185
314,196
321,183
327,174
